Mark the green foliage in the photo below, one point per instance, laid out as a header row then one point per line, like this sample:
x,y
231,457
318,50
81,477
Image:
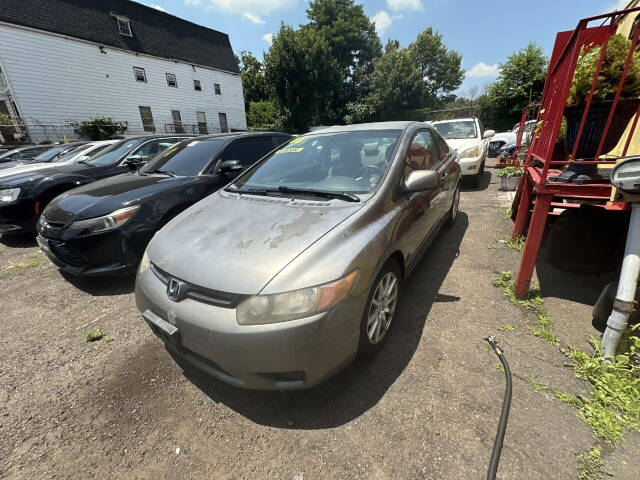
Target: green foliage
x,y
590,465
5,119
506,327
262,115
304,76
500,368
99,127
543,327
520,81
507,213
510,171
94,335
254,84
516,244
614,404
609,77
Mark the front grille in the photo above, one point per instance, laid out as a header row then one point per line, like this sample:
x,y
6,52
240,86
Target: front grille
x,y
67,254
201,294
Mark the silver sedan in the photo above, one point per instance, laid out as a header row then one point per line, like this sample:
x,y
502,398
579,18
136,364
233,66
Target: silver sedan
x,y
294,269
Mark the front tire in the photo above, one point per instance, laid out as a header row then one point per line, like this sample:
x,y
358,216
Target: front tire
x,y
453,211
380,309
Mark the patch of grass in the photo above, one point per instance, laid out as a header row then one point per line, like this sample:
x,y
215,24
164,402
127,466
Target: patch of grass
x,y
94,335
590,465
516,244
532,302
33,260
507,327
107,339
500,367
614,403
537,386
507,213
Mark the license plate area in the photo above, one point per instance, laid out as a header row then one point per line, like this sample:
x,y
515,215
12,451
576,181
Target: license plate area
x,y
162,329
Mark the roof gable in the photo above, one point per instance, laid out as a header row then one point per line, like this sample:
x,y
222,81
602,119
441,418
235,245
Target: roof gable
x,y
155,33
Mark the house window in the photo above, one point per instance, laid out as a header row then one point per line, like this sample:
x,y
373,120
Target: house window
x,y
224,127
202,123
177,121
171,80
147,119
197,86
139,74
216,88
124,27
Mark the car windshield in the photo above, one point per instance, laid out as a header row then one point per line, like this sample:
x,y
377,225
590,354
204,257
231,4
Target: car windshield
x,y
49,154
457,130
353,162
113,153
86,152
185,158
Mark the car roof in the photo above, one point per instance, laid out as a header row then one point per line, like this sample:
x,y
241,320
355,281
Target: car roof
x,y
396,125
235,135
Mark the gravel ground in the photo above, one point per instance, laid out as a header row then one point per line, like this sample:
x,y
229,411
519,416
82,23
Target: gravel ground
x,y
426,407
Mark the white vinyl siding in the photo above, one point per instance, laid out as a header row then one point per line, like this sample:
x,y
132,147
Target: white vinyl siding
x,y
90,83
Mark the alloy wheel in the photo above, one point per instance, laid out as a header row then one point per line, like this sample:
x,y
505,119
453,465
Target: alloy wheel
x,y
382,308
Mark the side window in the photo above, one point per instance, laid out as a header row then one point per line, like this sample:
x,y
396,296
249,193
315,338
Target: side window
x,y
422,153
443,148
152,148
248,151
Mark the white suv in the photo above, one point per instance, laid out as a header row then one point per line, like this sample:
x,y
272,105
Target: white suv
x,y
465,136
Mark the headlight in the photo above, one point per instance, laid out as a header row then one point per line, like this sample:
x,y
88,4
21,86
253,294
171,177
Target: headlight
x,y
108,222
9,195
471,152
281,307
144,263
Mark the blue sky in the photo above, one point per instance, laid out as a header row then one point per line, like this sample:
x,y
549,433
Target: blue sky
x,y
484,31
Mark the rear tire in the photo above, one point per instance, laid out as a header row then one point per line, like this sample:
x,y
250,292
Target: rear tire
x,y
453,211
380,309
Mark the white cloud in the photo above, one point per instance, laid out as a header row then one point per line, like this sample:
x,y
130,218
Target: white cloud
x,y
157,7
383,21
481,69
399,5
253,18
193,2
268,37
249,9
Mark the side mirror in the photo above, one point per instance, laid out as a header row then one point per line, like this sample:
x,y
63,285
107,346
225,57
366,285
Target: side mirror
x,y
134,161
421,180
489,133
231,166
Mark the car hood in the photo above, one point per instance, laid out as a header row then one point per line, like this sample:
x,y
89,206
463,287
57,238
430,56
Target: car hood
x,y
460,144
24,167
21,176
508,137
105,196
237,244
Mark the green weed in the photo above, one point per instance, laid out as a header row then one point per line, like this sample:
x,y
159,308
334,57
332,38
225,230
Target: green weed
x,y
508,213
590,465
507,327
33,260
94,335
516,244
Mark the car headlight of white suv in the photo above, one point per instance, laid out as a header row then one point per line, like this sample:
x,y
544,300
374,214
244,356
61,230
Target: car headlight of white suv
x,y
471,152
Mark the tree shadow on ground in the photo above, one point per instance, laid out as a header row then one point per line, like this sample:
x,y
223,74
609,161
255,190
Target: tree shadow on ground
x,y
362,384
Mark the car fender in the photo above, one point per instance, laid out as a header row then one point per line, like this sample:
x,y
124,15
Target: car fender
x,y
57,182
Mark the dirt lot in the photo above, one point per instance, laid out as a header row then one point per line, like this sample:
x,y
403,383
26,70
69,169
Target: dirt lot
x,y
426,407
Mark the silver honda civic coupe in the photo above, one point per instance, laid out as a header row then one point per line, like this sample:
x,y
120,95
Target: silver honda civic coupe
x,y
289,273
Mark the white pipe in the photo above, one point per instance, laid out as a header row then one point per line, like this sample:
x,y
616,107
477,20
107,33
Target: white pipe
x,y
626,294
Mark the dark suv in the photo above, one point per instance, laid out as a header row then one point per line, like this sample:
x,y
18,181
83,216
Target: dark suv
x,y
24,195
103,228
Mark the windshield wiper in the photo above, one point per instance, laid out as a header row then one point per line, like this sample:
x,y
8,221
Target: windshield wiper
x,y
250,191
347,197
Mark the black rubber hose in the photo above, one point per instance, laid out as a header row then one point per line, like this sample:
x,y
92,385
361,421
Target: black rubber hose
x,y
504,416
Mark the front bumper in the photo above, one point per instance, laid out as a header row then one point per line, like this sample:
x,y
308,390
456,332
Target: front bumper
x,y
470,166
18,217
287,355
114,253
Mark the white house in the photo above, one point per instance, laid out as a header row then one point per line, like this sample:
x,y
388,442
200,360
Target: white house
x,y
63,60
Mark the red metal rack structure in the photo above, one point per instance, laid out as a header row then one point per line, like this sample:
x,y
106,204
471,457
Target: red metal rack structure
x,y
539,194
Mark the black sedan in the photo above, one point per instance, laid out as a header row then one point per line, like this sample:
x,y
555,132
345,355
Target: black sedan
x,y
104,228
23,195
23,153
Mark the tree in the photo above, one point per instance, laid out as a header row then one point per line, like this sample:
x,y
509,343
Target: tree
x,y
262,115
396,87
354,45
440,67
254,85
520,81
304,76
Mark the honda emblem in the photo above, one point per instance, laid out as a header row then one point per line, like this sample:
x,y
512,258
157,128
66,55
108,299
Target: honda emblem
x,y
175,290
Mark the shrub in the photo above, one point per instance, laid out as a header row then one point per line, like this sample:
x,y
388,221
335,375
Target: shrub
x,y
99,128
5,119
510,171
262,115
609,76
